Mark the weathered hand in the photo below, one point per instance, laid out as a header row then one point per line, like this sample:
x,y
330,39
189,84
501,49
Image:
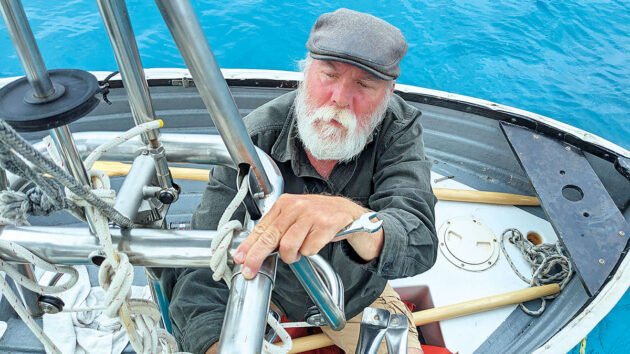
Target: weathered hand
x,y
297,225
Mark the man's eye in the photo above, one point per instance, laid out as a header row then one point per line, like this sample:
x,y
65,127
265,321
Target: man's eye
x,y
363,84
330,75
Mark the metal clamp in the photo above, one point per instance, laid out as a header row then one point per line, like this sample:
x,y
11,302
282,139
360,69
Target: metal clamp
x,y
378,323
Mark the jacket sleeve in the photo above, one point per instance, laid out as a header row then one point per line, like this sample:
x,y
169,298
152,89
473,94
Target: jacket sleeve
x,y
404,200
197,303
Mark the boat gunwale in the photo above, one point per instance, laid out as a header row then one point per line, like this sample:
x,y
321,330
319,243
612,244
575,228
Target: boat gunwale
x,y
585,140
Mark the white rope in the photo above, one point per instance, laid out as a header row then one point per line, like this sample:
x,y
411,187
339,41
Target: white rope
x,y
13,300
219,264
135,131
116,272
547,261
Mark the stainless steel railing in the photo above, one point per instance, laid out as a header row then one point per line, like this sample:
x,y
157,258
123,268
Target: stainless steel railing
x,y
146,247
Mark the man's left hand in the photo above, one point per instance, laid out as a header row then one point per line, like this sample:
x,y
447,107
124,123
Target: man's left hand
x,y
301,225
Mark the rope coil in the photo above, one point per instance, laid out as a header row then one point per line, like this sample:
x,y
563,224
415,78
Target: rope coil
x,y
548,263
139,317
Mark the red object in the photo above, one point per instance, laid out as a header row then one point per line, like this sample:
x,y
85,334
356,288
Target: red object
x,y
410,305
429,349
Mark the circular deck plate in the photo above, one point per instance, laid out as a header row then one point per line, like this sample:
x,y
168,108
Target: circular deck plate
x,y
468,244
77,100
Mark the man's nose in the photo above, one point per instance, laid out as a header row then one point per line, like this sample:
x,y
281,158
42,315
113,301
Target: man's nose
x,y
342,95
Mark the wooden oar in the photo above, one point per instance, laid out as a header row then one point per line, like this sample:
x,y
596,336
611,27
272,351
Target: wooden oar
x,y
445,312
112,168
459,195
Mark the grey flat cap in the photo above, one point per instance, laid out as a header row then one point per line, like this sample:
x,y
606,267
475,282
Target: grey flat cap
x,y
359,39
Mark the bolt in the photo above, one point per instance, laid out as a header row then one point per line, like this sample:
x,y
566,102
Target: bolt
x,y
536,136
622,234
490,263
441,243
166,197
567,148
601,261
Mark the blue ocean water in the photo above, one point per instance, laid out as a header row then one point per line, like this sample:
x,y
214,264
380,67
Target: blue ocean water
x,y
567,60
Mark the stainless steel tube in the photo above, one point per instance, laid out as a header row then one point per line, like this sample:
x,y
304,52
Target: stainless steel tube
x,y
131,192
311,282
248,304
246,311
71,161
120,33
330,278
29,298
26,48
145,247
182,148
194,48
62,138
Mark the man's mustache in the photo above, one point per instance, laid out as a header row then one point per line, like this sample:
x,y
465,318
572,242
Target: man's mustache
x,y
343,116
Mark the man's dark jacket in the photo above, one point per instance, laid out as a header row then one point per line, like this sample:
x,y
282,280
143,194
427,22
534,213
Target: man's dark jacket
x,y
390,176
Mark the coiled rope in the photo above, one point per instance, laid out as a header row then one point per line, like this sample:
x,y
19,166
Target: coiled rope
x,y
12,142
116,273
548,263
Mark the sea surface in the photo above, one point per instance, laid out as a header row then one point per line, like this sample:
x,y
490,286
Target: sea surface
x,y
568,60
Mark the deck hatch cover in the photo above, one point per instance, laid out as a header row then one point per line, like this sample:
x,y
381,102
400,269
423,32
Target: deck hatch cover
x,y
586,219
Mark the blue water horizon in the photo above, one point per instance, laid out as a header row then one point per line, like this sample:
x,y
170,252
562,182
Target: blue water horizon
x,y
558,59
569,61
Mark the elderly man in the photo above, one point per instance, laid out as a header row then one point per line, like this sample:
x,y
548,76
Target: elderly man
x,y
345,144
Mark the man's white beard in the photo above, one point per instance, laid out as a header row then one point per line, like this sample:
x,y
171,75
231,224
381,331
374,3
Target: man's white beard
x,y
329,142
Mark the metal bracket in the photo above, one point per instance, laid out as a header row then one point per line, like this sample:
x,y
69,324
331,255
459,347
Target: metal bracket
x,y
586,219
184,82
373,328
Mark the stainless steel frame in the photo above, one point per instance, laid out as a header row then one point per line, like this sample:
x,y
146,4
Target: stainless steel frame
x,y
195,50
120,33
140,175
249,300
145,247
118,26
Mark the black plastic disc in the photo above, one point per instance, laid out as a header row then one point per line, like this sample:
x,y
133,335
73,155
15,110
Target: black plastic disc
x,y
53,301
77,101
